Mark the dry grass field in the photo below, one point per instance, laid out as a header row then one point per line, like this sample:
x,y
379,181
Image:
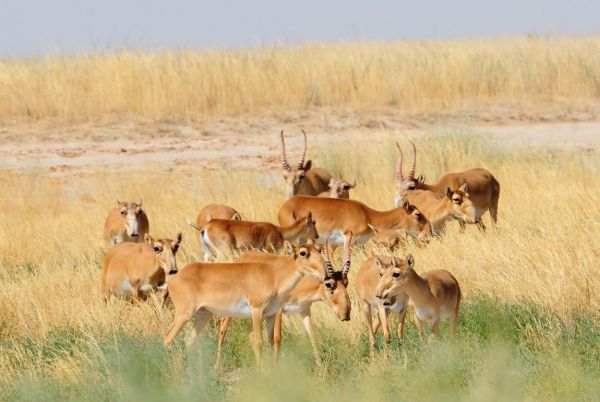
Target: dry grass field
x,y
406,76
530,326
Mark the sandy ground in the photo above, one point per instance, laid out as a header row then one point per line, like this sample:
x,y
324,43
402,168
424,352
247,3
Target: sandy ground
x,y
555,135
246,144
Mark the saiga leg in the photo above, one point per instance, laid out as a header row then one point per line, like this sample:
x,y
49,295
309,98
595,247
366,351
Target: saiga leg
x,y
256,337
277,335
307,321
384,323
180,320
223,325
367,318
200,319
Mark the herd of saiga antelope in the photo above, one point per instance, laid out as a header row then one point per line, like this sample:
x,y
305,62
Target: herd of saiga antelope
x,y
262,286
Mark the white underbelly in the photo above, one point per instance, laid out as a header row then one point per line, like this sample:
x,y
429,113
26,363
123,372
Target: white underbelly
x,y
125,288
243,309
146,288
291,308
336,237
272,308
397,307
424,314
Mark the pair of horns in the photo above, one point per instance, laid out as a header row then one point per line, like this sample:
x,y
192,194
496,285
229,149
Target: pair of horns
x,y
411,173
347,258
284,162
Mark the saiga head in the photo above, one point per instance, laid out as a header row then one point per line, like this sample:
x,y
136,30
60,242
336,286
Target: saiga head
x,y
404,184
416,224
131,213
339,188
393,278
308,259
295,175
336,283
462,205
165,250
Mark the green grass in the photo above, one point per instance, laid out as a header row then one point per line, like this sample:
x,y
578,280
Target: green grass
x,y
502,352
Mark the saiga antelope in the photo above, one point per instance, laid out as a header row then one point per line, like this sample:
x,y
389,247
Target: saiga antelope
x,y
388,238
338,218
302,178
455,204
240,290
333,291
227,235
134,269
435,295
127,222
484,189
338,188
208,213
366,281
216,211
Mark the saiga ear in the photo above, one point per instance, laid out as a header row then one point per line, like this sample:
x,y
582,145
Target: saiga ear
x,y
449,192
464,188
307,165
374,229
148,239
288,249
378,263
140,202
208,218
192,224
410,261
179,238
117,203
236,217
309,218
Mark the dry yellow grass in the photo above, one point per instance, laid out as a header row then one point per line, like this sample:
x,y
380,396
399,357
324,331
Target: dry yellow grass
x,y
364,76
545,248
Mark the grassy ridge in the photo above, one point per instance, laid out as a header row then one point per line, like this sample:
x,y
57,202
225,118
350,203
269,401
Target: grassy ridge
x,y
363,76
529,328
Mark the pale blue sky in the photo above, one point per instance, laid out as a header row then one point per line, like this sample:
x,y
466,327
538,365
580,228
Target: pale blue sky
x,y
34,27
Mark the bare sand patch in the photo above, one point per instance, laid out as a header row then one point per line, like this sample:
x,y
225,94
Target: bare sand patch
x,y
241,143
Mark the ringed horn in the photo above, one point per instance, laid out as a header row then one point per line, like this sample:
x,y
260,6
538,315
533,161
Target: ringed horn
x,y
411,172
347,258
284,162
